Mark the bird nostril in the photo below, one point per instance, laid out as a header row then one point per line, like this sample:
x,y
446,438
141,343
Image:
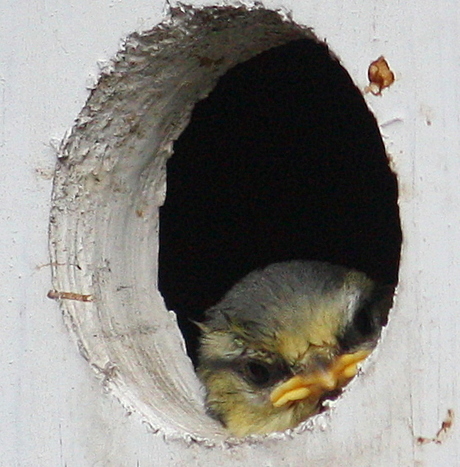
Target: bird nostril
x,y
318,362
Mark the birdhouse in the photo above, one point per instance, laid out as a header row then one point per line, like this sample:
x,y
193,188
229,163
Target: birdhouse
x,y
155,154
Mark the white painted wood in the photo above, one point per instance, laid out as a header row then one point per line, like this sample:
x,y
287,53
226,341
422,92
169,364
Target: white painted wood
x,y
53,408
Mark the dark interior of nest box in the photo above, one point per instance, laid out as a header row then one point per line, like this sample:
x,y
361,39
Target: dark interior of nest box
x,y
283,160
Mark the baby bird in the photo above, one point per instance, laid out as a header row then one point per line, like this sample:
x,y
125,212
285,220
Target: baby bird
x,y
284,339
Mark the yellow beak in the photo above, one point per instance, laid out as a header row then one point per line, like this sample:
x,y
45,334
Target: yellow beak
x,y
301,387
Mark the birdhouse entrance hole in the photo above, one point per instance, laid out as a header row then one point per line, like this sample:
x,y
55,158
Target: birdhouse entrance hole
x,y
289,152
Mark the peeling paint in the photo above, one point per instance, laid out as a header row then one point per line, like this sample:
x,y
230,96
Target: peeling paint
x,y
380,76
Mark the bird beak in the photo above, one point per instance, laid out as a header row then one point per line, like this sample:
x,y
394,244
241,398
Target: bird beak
x,y
313,386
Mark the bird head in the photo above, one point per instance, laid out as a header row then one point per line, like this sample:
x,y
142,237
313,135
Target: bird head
x,y
284,339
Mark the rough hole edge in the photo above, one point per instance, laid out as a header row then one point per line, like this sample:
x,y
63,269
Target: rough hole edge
x,y
108,186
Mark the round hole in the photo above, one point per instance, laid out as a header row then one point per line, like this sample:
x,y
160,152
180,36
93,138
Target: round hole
x,y
110,182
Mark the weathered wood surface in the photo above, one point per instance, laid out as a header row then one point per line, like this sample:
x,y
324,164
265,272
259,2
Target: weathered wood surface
x,y
53,408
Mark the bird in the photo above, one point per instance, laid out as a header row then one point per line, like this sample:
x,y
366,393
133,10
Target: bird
x,y
284,339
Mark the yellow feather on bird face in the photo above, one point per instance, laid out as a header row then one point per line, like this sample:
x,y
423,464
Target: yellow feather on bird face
x,y
283,339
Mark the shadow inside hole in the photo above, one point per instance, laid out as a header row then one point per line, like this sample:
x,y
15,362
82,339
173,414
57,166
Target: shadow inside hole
x,y
282,161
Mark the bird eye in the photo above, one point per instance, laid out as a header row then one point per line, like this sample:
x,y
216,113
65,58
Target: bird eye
x,y
363,322
257,372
